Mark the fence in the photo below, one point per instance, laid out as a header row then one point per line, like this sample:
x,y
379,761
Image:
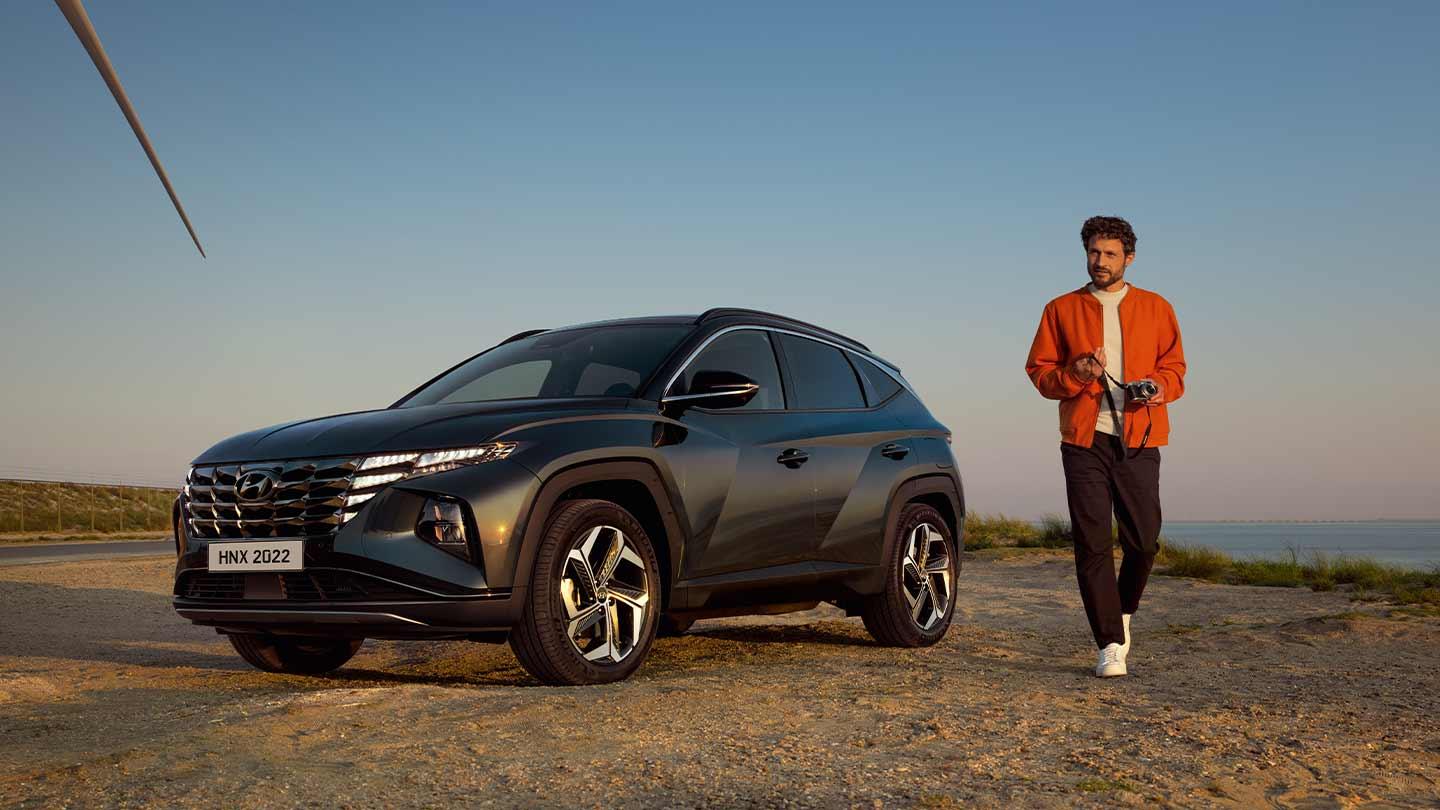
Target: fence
x,y
33,506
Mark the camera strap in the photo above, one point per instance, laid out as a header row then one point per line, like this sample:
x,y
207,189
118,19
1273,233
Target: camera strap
x,y
1115,415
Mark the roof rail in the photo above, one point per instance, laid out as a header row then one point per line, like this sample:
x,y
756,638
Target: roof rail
x,y
522,335
721,312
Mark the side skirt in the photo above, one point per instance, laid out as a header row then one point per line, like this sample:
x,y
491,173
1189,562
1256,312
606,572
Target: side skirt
x,y
765,591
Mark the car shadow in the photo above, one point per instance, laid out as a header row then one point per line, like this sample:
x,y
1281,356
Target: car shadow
x,y
834,633
137,628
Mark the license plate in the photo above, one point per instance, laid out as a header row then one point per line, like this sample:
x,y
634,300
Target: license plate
x,y
266,555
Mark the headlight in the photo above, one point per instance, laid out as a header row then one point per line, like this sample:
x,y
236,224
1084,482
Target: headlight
x,y
377,472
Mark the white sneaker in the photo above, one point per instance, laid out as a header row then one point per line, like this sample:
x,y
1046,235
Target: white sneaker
x,y
1111,663
1125,648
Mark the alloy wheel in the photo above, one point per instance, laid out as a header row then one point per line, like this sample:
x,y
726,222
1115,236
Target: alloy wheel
x,y
605,593
925,576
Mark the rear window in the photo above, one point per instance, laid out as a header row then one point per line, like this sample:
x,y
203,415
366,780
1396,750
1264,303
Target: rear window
x,y
882,385
823,377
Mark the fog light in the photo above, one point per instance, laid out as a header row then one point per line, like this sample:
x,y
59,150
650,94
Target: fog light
x,y
442,524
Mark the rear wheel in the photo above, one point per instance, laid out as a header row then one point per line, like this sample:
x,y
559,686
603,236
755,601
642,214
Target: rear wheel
x,y
294,655
919,597
593,601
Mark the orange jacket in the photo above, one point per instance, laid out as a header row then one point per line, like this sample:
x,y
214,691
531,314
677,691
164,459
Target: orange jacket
x,y
1073,325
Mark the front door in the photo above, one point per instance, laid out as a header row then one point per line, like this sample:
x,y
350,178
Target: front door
x,y
747,477
767,516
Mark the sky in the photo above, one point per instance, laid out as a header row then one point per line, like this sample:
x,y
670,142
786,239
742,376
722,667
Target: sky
x,y
384,189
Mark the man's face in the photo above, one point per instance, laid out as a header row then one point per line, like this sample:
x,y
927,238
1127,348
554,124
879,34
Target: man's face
x,y
1107,260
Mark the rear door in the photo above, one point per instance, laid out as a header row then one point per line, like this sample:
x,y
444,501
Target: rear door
x,y
853,446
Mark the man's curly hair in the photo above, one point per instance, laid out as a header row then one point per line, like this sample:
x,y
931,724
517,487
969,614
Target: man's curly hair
x,y
1108,228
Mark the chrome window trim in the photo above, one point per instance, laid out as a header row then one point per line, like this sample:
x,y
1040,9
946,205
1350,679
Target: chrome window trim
x,y
690,358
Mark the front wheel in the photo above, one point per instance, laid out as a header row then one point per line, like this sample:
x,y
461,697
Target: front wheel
x,y
919,597
296,655
594,597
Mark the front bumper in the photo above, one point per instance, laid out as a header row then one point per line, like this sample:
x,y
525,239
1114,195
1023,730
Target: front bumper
x,y
488,619
374,578
341,595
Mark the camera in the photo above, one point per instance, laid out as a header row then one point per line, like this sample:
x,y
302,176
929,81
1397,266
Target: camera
x,y
1140,390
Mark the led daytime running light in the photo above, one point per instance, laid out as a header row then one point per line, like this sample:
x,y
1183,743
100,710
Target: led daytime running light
x,y
412,464
376,462
366,481
356,500
483,453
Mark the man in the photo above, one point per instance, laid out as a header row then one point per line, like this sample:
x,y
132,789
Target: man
x,y
1090,343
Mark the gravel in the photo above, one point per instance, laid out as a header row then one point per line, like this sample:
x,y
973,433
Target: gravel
x,y
1238,696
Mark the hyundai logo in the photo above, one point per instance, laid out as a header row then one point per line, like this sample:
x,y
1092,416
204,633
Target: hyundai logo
x,y
257,485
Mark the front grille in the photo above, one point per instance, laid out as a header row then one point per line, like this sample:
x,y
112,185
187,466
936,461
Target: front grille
x,y
214,586
307,499
298,586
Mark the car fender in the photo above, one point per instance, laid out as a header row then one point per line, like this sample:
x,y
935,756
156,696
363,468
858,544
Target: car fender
x,y
903,493
556,485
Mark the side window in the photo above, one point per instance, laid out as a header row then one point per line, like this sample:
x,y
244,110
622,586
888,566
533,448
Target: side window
x,y
823,377
882,385
745,352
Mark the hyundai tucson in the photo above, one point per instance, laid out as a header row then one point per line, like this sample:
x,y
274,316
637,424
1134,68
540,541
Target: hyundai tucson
x,y
579,491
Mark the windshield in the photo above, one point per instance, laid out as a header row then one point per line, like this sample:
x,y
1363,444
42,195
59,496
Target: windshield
x,y
604,361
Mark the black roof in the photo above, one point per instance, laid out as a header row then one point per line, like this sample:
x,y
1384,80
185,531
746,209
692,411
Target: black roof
x,y
755,314
736,314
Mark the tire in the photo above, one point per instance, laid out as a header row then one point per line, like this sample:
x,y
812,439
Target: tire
x,y
579,627
909,613
296,655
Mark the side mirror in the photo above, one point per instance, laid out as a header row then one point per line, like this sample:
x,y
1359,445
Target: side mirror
x,y
714,389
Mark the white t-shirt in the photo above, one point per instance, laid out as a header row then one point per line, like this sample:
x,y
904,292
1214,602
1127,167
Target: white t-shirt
x,y
1114,360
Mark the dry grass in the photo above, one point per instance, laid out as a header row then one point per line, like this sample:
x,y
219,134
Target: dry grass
x,y
1364,577
65,510
998,531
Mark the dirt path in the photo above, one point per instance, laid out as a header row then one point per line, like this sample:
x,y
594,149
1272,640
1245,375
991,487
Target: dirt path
x,y
1238,697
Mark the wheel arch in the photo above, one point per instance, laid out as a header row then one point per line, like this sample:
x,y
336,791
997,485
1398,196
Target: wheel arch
x,y
633,484
938,490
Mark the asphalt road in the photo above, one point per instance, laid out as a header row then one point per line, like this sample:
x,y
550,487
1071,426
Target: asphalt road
x,y
56,552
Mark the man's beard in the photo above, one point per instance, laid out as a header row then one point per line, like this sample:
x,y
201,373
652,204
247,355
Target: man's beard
x,y
1111,280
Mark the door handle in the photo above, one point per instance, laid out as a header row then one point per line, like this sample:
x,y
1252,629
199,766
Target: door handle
x,y
793,458
895,451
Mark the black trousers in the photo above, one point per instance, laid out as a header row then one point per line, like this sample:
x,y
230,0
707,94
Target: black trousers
x,y
1099,480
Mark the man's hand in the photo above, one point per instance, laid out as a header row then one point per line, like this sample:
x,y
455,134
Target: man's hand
x,y
1159,398
1088,368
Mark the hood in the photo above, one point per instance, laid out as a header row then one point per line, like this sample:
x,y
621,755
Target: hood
x,y
430,427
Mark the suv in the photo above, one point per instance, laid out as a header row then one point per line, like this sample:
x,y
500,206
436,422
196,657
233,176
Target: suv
x,y
579,490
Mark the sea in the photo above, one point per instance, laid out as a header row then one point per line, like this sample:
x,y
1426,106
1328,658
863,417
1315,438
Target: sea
x,y
1409,543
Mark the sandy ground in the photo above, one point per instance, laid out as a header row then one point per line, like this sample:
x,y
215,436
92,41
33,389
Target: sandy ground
x,y
1237,697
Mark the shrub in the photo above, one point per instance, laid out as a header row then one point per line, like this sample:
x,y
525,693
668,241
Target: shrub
x,y
989,531
1195,562
1054,532
1321,573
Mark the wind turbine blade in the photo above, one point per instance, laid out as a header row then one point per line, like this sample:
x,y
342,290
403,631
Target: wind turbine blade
x,y
74,12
